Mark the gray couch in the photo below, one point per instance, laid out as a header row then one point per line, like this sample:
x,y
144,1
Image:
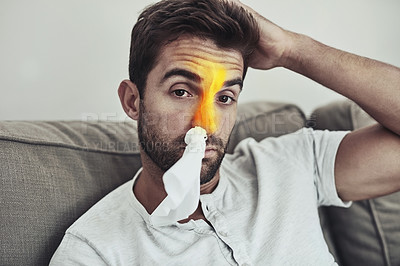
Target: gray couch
x,y
52,172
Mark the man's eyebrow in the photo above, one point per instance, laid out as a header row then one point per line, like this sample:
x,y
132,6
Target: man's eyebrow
x,y
182,72
234,82
196,78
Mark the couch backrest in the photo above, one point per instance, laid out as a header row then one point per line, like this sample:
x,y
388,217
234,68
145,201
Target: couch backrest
x,y
52,172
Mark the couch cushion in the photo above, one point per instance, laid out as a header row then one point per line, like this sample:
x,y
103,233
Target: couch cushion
x,y
52,172
368,233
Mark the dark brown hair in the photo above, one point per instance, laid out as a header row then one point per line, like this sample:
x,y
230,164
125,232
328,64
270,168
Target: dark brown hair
x,y
228,25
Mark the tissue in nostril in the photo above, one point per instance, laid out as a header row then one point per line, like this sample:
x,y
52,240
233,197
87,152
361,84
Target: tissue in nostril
x,y
182,181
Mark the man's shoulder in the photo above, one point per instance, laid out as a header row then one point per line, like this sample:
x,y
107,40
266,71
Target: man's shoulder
x,y
107,231
302,138
273,154
274,144
108,216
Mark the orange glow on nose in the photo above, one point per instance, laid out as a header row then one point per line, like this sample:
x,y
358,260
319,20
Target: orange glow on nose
x,y
213,75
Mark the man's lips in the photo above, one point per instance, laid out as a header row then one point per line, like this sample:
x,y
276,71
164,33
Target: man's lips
x,y
211,148
210,152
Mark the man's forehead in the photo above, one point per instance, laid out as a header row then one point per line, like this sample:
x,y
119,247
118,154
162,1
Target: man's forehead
x,y
199,53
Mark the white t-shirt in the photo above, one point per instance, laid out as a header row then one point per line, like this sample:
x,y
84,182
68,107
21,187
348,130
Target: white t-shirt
x,y
263,212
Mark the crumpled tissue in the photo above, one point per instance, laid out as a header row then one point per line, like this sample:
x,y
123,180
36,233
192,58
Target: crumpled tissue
x,y
182,182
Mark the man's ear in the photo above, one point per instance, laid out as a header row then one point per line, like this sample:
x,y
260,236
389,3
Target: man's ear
x,y
130,99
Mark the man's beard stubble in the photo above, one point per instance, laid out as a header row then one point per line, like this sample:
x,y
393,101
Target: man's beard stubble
x,y
165,152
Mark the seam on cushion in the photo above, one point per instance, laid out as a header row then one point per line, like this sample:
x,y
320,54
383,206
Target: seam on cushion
x,y
380,232
240,122
67,146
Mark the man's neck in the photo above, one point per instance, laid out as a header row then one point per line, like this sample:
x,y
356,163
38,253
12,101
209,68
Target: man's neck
x,y
149,189
150,192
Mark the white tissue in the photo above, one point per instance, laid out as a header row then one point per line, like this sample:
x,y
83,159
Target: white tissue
x,y
182,182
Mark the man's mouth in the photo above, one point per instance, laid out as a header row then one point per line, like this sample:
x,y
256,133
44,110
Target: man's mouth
x,y
210,152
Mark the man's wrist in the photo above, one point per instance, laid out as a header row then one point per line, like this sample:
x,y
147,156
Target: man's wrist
x,y
298,48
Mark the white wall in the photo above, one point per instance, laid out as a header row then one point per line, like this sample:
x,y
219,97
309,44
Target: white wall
x,y
65,59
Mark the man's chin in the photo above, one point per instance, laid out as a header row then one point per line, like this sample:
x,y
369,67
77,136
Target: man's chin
x,y
210,154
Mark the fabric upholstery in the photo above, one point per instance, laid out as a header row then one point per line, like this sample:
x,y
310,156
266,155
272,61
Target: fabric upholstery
x,y
368,233
52,172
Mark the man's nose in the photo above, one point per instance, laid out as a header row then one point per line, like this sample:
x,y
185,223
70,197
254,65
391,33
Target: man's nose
x,y
206,116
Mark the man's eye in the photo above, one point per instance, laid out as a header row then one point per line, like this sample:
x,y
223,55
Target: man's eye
x,y
225,99
181,93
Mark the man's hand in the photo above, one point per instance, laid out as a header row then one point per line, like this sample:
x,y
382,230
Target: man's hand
x,y
275,42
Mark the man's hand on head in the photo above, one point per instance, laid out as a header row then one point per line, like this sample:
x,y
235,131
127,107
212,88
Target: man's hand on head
x,y
274,45
373,85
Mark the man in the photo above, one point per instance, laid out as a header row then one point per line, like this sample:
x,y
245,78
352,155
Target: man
x,y
259,205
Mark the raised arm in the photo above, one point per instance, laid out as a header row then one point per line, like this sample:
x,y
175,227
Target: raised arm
x,y
368,160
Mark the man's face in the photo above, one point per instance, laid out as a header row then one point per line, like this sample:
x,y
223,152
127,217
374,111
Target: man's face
x,y
185,74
